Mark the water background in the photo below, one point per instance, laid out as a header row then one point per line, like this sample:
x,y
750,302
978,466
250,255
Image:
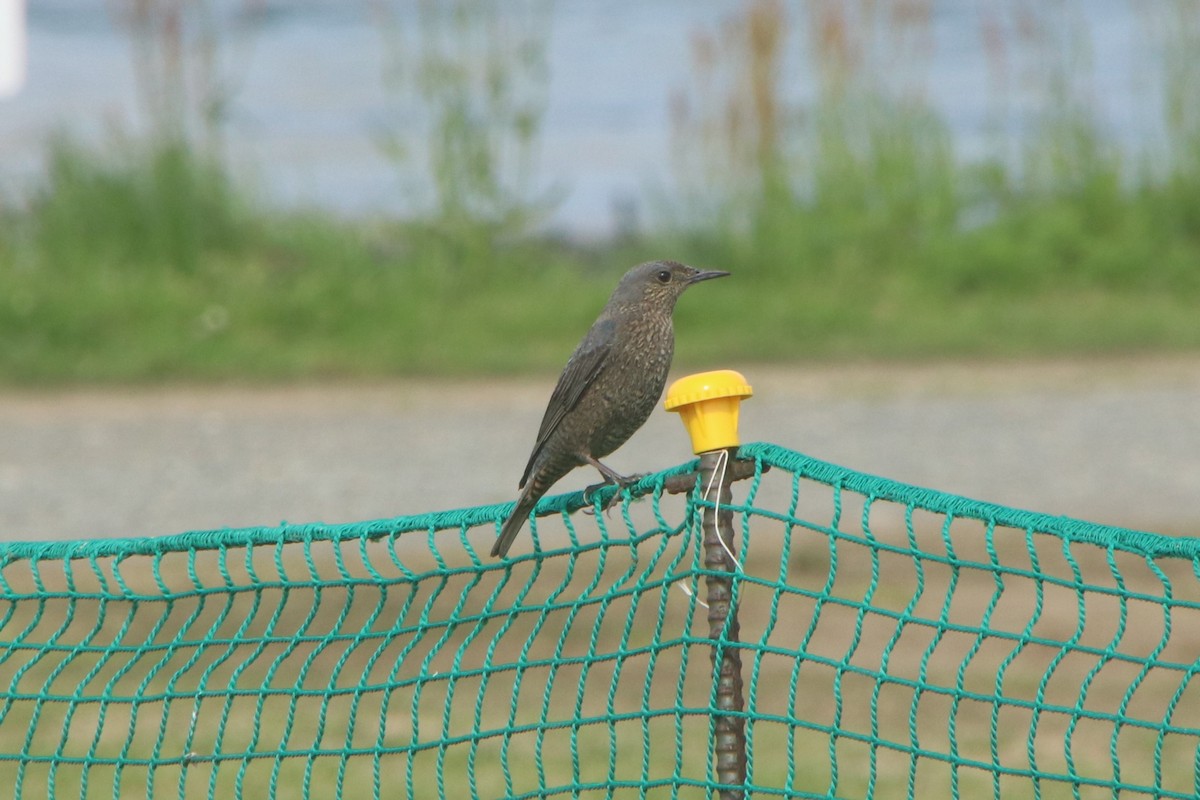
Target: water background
x,y
304,122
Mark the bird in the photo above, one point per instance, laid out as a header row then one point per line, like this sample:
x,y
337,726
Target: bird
x,y
609,387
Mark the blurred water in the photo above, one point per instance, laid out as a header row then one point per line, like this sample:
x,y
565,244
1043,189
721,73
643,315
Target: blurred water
x,y
311,98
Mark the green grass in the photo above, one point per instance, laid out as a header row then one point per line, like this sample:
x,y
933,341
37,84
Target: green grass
x,y
851,226
152,265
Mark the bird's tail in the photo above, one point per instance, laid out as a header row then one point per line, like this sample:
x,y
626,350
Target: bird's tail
x,y
512,526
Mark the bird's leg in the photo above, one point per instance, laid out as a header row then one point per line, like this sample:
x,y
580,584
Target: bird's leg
x,y
610,476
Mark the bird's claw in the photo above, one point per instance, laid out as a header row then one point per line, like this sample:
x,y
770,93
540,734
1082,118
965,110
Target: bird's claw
x,y
613,499
591,490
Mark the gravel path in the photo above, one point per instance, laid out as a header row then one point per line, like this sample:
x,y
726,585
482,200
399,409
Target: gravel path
x,y
1114,441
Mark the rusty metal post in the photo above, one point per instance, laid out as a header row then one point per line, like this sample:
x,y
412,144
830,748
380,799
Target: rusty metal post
x,y
708,405
723,628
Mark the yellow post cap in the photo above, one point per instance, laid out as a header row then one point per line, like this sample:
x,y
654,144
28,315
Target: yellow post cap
x,y
708,402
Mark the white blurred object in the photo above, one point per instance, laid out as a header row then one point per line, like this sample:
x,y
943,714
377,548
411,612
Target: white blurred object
x,y
12,46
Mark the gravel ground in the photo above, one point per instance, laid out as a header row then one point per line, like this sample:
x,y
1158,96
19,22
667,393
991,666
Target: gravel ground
x,y
1115,441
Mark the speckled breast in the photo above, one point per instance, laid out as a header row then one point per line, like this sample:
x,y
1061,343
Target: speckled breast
x,y
631,386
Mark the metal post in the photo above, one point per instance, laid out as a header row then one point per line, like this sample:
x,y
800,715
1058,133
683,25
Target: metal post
x,y
707,404
717,525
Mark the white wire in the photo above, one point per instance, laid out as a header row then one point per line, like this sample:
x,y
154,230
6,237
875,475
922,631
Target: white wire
x,y
717,480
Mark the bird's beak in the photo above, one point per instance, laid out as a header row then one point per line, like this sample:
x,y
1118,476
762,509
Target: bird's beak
x,y
706,274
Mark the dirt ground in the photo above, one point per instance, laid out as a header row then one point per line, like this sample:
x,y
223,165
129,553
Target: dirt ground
x,y
1114,441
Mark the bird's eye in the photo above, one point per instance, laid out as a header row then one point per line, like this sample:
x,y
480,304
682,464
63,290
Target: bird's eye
x,y
664,276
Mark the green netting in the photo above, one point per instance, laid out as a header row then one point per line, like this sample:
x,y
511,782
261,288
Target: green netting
x,y
896,642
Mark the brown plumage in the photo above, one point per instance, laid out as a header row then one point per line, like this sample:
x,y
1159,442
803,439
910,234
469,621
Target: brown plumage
x,y
610,385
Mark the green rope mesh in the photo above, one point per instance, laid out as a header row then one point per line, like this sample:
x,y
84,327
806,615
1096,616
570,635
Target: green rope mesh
x,y
896,642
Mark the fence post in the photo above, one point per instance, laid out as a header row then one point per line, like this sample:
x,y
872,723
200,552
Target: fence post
x,y
729,743
708,404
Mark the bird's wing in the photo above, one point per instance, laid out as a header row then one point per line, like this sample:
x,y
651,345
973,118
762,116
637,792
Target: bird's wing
x,y
582,368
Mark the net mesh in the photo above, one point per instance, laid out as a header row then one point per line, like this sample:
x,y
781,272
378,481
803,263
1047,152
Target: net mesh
x,y
896,642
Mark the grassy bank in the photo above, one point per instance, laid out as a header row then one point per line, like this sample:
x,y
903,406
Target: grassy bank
x,y
852,227
159,269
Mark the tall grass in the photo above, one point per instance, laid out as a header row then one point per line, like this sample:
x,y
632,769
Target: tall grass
x,y
188,59
863,180
854,226
160,207
468,81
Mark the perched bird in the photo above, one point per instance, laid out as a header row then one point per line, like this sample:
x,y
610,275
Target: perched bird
x,y
610,385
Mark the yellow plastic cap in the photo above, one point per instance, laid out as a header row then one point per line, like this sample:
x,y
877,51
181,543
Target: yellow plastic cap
x,y
708,402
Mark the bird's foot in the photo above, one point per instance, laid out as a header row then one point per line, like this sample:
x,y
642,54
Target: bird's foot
x,y
622,483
